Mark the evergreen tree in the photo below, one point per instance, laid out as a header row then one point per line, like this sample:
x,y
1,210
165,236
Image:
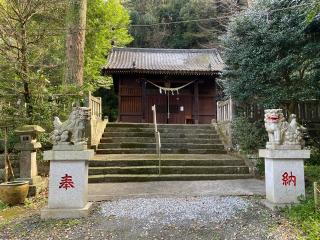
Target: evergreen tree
x,y
269,59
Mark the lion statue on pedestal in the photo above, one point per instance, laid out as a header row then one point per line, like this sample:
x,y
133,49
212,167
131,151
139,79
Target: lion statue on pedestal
x,y
280,132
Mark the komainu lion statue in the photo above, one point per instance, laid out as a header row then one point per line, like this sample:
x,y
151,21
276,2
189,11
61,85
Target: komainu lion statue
x,y
275,125
72,130
280,132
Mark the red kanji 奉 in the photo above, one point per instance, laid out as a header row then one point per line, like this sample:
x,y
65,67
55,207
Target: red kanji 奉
x,y
66,182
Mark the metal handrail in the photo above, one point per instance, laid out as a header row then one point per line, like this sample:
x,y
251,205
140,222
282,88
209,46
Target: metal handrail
x,y
157,137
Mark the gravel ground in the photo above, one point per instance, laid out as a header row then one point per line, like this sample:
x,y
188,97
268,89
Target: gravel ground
x,y
189,218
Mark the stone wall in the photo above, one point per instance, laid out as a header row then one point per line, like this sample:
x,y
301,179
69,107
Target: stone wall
x,y
96,129
224,131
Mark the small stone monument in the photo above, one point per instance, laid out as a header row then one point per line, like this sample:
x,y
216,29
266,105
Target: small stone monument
x,y
68,180
284,166
28,156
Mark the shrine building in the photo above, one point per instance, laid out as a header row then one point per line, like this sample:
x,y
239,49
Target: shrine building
x,y
180,82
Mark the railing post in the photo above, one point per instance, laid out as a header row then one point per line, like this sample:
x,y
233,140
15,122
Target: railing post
x,y
316,196
100,107
157,137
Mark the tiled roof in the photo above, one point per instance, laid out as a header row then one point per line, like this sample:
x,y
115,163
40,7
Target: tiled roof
x,y
163,61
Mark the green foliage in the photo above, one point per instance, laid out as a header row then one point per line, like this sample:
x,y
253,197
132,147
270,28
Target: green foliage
x,y
109,103
189,34
304,215
312,172
260,167
314,11
12,140
269,58
249,136
107,25
3,206
306,218
314,157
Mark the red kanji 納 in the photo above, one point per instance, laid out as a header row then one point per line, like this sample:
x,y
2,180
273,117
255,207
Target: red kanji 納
x,y
66,182
287,180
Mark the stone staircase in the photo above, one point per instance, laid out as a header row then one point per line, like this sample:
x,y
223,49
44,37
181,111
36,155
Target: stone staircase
x,y
189,152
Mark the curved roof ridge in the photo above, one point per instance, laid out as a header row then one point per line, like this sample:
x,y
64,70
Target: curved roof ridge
x,y
163,49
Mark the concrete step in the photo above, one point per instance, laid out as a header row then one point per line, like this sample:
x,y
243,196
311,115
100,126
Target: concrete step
x,y
169,170
164,177
163,140
163,150
163,145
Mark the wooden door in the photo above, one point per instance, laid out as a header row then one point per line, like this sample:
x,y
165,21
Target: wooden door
x,y
161,106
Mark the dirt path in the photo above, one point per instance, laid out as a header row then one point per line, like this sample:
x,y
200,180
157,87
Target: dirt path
x,y
173,218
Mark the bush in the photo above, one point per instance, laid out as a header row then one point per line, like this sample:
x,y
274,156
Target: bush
x,y
304,215
314,158
249,136
260,167
306,218
12,140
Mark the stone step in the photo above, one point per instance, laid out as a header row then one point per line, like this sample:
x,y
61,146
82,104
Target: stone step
x,y
163,150
163,145
168,126
166,160
169,170
128,134
164,135
163,140
164,177
115,157
173,162
126,139
161,130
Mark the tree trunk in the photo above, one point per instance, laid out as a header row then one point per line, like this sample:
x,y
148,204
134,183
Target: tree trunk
x,y
75,41
24,74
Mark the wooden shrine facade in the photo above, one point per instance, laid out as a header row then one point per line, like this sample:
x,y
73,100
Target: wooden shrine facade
x,y
181,83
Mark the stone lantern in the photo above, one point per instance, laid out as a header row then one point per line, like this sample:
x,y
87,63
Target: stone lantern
x,y
28,152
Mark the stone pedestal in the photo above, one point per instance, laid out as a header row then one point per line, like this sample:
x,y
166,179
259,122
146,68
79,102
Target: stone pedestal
x,y
284,175
68,183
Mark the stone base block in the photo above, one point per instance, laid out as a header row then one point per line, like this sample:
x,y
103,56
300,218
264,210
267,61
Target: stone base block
x,y
276,206
53,213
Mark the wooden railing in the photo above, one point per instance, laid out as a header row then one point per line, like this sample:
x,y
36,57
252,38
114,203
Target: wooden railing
x,y
225,111
96,123
306,111
157,137
95,104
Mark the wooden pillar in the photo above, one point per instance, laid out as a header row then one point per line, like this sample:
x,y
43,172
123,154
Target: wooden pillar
x,y
119,100
196,102
144,101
